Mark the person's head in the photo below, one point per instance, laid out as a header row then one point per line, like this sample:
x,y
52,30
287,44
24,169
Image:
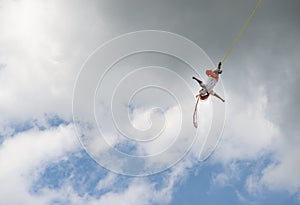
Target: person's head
x,y
218,71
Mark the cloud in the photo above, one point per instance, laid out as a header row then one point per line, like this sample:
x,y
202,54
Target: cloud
x,y
253,185
220,179
249,133
108,182
25,155
43,45
283,174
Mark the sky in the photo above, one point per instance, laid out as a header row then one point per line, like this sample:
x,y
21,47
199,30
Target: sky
x,y
50,150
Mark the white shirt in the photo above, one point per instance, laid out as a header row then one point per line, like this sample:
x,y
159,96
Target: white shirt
x,y
210,84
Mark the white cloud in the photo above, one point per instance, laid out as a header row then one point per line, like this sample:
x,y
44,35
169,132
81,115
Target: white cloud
x,y
43,45
23,157
240,197
284,172
249,133
281,174
107,182
220,179
253,185
42,49
169,133
137,193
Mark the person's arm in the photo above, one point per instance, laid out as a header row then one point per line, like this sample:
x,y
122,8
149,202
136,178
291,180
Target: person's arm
x,y
216,95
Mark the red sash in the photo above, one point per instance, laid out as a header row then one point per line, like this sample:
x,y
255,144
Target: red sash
x,y
212,74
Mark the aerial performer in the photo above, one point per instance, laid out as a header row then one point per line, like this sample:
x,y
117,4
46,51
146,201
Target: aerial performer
x,y
213,76
207,88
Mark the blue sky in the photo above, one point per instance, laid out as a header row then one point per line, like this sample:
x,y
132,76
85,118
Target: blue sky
x,y
43,46
200,184
206,182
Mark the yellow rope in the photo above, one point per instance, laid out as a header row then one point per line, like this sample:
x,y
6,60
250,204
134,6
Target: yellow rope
x,y
242,31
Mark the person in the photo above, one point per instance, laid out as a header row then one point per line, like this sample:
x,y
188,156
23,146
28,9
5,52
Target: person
x,y
207,88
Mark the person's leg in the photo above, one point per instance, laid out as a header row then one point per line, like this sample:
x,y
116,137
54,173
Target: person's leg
x,y
199,81
219,65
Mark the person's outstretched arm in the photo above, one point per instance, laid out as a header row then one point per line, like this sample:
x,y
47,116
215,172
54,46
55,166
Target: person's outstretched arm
x,y
216,95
